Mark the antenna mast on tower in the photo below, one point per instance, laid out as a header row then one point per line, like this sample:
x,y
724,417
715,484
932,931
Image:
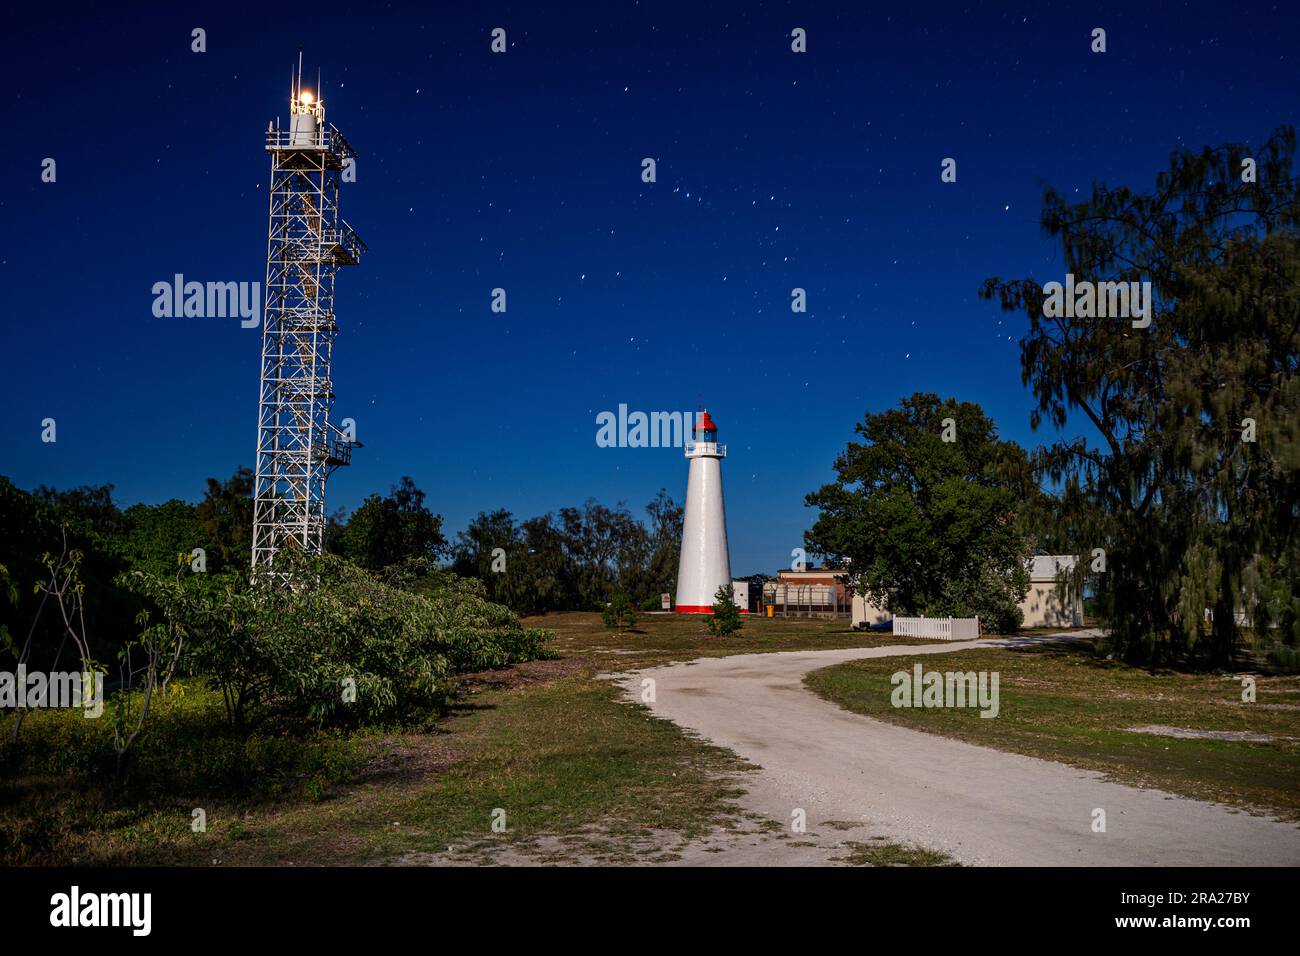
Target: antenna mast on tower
x,y
307,241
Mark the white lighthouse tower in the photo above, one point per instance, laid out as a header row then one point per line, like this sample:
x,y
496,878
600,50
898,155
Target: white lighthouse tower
x,y
705,565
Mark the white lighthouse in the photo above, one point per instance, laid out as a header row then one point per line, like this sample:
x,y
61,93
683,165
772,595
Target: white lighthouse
x,y
705,565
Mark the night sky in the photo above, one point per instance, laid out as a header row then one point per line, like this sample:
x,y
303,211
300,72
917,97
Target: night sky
x,y
775,170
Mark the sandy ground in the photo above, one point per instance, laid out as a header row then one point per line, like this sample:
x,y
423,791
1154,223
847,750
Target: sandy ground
x,y
858,779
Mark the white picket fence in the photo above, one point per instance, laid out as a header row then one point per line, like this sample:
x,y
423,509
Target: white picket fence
x,y
938,628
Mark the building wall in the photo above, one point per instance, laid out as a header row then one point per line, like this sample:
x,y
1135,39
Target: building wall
x,y
868,612
820,577
746,597
805,599
1044,607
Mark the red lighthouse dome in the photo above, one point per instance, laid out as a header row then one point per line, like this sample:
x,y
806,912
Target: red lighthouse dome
x,y
705,430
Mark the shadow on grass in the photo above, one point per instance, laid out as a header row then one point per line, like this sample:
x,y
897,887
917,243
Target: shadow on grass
x,y
1085,651
465,708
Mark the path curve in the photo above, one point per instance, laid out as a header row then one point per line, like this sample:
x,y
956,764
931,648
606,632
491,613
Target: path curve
x,y
978,805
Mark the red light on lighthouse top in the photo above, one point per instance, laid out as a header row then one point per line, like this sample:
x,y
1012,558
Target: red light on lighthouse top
x,y
705,427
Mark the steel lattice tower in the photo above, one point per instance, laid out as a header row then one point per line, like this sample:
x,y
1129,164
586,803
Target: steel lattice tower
x,y
307,242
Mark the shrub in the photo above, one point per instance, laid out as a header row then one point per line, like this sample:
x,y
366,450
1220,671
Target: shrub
x,y
619,612
726,615
328,643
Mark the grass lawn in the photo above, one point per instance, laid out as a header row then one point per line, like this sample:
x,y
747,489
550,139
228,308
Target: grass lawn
x,y
554,749
662,638
558,750
1061,702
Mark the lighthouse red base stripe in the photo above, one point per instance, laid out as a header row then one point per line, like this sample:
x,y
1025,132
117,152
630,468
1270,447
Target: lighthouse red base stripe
x,y
700,609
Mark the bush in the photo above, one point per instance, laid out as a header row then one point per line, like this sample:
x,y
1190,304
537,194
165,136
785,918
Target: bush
x,y
331,644
726,615
619,612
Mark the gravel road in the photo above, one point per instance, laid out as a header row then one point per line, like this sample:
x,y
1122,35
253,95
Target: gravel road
x,y
979,806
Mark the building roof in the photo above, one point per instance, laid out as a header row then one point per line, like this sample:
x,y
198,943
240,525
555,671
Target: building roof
x,y
812,576
1046,566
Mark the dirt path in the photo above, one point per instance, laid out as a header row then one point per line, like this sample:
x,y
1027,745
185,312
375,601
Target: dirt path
x,y
977,805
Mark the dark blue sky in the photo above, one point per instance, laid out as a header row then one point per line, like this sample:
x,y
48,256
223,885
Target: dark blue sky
x,y
522,170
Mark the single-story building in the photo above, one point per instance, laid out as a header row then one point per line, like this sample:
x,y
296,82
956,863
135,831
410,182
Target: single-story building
x,y
1046,604
812,592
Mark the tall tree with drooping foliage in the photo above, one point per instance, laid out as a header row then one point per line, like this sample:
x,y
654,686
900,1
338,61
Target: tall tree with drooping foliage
x,y
1181,477
602,545
667,519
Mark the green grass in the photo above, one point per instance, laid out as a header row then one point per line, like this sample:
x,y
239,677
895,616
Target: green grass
x,y
1061,702
564,757
562,753
61,799
572,758
662,638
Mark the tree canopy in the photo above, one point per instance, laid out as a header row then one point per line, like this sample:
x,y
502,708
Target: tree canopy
x,y
923,514
577,560
386,531
1184,480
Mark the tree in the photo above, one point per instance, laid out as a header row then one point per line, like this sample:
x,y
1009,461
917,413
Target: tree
x,y
33,524
575,561
546,579
487,549
89,508
1189,492
28,529
156,534
225,519
666,520
602,544
65,586
725,618
149,662
924,515
63,583
384,532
